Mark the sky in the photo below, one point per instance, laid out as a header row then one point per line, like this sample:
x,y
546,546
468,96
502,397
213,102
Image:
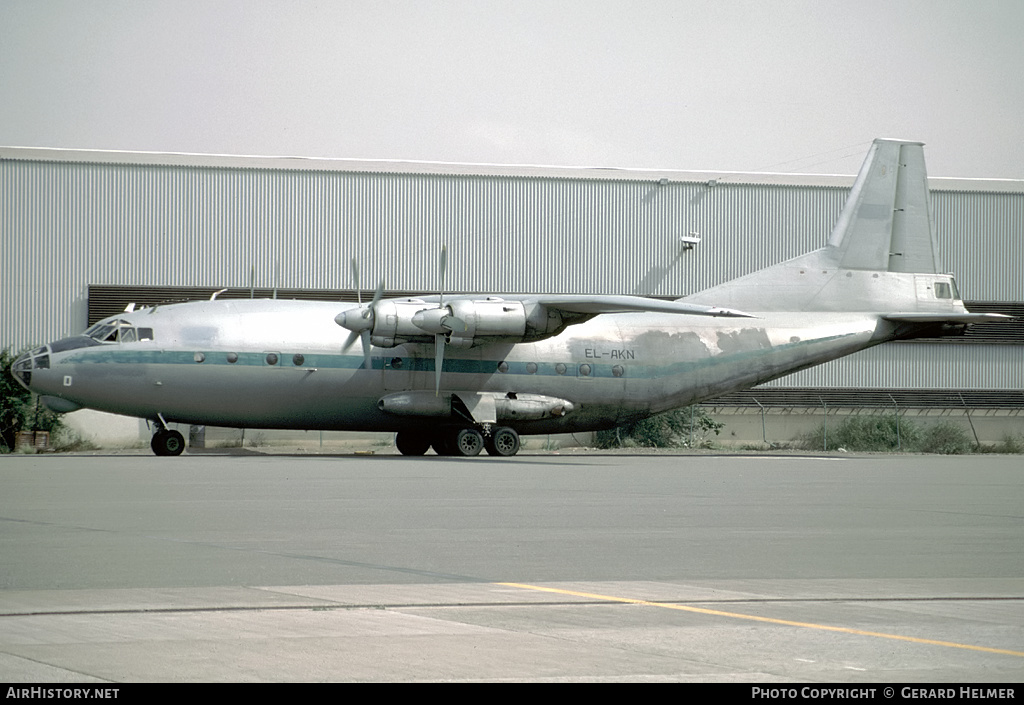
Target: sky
x,y
789,86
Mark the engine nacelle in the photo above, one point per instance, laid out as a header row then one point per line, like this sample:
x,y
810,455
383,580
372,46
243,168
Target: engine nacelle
x,y
465,322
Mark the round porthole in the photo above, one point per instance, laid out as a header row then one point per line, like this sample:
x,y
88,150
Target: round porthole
x,y
272,358
531,367
585,370
232,358
618,371
502,366
396,363
298,359
560,368
199,357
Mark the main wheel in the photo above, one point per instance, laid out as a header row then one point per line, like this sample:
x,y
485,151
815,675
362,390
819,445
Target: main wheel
x,y
503,441
469,441
167,443
443,443
411,443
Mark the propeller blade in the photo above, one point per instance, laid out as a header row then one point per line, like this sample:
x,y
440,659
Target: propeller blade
x,y
348,341
355,279
438,362
442,269
378,293
365,335
454,323
360,324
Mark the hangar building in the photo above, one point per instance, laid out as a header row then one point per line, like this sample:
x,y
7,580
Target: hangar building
x,y
86,232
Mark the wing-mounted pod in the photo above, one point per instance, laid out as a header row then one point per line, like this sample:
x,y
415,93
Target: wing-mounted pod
x,y
482,407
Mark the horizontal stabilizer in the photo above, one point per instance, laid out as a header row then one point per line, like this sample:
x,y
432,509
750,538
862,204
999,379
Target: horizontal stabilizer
x,y
950,317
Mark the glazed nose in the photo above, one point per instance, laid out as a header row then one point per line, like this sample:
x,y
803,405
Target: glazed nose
x,y
38,359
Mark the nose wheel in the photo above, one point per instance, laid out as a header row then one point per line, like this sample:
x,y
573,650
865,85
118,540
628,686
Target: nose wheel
x,y
167,443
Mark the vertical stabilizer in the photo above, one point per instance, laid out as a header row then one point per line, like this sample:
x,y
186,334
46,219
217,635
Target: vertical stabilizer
x,y
886,224
881,255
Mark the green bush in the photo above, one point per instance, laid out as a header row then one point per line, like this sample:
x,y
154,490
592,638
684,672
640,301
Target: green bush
x,y
15,402
670,429
879,434
1011,443
946,438
864,433
19,411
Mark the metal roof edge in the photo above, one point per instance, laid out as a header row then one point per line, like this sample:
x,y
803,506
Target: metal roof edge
x,y
386,166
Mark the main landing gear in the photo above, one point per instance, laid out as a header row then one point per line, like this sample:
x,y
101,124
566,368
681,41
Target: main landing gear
x,y
501,440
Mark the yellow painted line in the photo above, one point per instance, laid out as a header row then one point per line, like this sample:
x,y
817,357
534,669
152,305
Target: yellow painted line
x,y
770,620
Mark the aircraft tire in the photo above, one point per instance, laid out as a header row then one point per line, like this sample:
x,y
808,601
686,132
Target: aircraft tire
x,y
469,442
167,443
411,443
503,441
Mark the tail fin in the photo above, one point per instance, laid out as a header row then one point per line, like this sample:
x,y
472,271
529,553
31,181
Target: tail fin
x,y
881,256
886,223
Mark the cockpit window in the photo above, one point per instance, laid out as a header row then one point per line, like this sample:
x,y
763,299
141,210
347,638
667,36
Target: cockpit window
x,y
942,290
118,331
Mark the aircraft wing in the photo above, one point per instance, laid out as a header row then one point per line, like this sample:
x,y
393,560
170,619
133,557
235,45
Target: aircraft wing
x,y
594,305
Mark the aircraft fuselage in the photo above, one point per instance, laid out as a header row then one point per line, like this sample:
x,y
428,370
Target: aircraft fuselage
x,y
279,364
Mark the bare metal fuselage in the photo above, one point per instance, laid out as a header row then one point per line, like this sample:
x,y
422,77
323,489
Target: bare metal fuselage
x,y
210,363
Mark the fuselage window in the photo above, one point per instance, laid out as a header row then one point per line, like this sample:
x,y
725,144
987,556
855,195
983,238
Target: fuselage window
x,y
232,357
272,358
298,359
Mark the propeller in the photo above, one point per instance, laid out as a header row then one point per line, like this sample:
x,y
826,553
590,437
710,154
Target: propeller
x,y
360,320
440,322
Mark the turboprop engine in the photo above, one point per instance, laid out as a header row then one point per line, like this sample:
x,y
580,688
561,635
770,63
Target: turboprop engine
x,y
464,322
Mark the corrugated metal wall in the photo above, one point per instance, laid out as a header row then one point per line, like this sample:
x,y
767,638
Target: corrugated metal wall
x,y
919,366
66,225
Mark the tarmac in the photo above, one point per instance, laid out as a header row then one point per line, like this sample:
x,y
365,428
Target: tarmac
x,y
549,566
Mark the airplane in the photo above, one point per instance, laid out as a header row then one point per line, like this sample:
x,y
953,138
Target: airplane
x,y
466,373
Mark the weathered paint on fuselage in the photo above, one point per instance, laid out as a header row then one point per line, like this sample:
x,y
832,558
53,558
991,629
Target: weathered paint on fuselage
x,y
613,368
